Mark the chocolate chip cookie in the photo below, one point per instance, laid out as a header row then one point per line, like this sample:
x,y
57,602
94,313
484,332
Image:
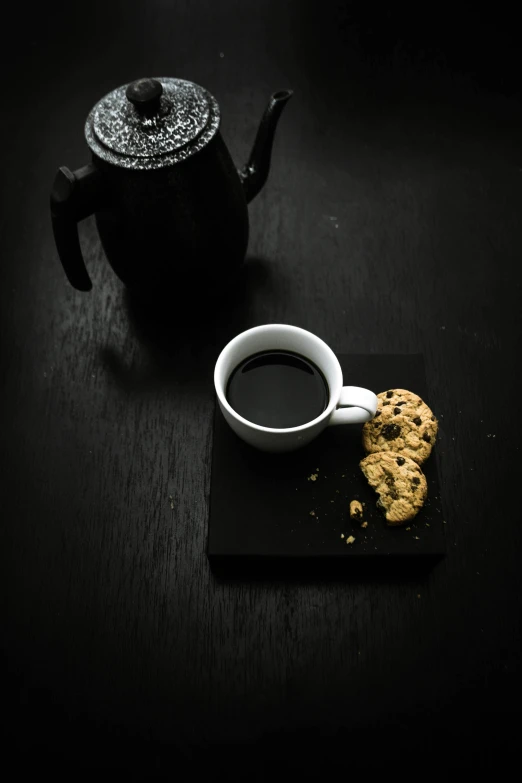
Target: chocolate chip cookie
x,y
399,482
403,423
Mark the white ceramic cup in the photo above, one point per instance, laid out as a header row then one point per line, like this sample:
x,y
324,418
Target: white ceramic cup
x,y
347,404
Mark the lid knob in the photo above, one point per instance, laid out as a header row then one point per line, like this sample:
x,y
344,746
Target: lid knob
x,y
145,95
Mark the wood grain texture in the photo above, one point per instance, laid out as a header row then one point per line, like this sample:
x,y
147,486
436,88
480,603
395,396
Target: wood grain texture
x,y
390,223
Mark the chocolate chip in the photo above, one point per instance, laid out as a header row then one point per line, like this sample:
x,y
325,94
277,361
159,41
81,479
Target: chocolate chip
x,y
400,460
386,403
377,414
396,411
402,403
416,480
389,394
393,494
433,418
391,431
414,488
417,420
426,437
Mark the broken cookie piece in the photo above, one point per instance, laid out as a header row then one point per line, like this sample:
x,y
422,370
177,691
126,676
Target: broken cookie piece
x,y
399,482
356,509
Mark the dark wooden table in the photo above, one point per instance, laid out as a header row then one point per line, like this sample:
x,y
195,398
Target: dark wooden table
x,y
391,223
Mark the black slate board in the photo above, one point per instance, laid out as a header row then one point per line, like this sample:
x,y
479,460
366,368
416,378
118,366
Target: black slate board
x,y
260,503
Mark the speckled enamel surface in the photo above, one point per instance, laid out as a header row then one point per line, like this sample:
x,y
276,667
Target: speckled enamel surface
x,y
187,120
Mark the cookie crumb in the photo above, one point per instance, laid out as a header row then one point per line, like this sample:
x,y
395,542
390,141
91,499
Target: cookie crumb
x,y
364,524
312,477
171,502
350,540
312,513
416,538
408,528
342,535
355,509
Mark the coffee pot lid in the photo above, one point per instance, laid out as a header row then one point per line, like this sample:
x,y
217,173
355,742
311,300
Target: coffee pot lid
x,y
152,123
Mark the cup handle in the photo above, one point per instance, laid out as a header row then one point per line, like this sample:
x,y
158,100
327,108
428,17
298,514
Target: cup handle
x,y
355,406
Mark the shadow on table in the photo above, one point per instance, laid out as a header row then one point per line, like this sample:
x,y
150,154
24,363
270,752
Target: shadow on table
x,y
182,332
308,570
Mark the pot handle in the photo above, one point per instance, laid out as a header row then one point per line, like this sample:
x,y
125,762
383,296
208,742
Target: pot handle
x,y
74,196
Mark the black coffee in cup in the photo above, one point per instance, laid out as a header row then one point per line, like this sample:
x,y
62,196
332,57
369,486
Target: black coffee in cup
x,y
278,389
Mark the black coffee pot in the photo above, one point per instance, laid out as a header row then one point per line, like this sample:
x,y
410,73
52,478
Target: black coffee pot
x,y
170,206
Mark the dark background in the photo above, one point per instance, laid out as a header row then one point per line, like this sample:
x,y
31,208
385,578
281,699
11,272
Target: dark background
x,y
390,223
